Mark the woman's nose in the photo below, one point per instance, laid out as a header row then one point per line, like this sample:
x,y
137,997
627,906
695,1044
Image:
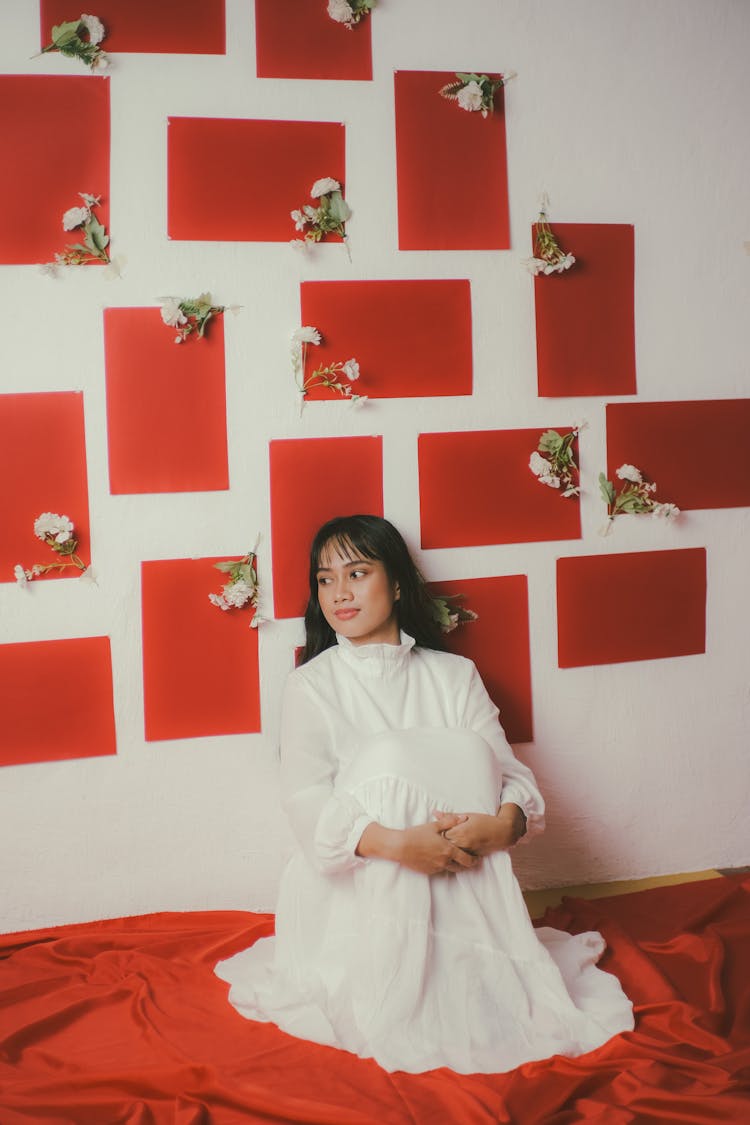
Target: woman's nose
x,y
342,592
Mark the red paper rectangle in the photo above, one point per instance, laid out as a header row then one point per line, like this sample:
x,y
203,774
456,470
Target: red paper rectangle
x,y
642,606
56,701
585,319
476,488
300,40
451,168
502,605
194,27
200,663
239,180
57,130
313,480
362,319
166,405
43,469
696,452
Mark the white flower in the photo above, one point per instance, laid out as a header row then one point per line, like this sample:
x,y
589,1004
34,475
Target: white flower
x,y
306,335
218,601
257,620
665,511
101,62
238,593
311,212
649,487
90,200
340,11
300,222
75,217
567,262
534,265
351,370
178,339
356,402
21,576
539,465
48,269
51,526
552,481
171,313
95,28
326,185
629,472
469,97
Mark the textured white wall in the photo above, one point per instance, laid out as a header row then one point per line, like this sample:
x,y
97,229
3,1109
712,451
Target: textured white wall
x,y
626,111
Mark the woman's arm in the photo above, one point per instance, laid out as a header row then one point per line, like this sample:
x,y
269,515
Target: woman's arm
x,y
482,834
425,848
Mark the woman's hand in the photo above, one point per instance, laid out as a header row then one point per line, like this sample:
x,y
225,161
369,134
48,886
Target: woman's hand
x,y
427,848
481,834
423,848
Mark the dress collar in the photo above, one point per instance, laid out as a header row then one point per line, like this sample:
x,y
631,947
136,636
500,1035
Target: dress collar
x,y
376,660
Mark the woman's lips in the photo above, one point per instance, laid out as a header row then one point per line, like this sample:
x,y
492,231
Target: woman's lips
x,y
346,614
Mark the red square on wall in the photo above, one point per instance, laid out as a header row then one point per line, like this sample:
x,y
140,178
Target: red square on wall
x,y
696,452
49,168
300,40
641,606
239,180
585,318
56,701
438,147
166,405
498,643
391,329
476,488
42,469
200,663
313,480
194,27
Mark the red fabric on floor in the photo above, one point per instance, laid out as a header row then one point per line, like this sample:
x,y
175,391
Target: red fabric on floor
x,y
124,1023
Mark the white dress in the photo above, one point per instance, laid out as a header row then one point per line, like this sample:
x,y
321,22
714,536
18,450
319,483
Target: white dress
x,y
412,970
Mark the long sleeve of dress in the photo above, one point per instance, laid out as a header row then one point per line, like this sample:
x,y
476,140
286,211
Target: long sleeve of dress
x,y
328,824
519,784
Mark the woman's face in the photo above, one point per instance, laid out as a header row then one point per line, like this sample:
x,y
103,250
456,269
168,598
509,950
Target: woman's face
x,y
356,597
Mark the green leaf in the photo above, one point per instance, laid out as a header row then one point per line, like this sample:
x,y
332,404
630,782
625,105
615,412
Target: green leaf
x,y
338,209
550,442
225,567
65,33
607,489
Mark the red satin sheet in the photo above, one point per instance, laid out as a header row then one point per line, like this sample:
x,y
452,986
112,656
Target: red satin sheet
x,y
124,1021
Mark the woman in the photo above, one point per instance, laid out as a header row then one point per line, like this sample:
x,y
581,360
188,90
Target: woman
x,y
401,931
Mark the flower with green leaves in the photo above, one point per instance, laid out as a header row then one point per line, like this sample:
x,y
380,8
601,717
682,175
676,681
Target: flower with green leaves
x,y
475,92
329,217
349,12
93,248
189,315
336,377
58,532
635,496
448,615
553,462
80,39
548,256
242,588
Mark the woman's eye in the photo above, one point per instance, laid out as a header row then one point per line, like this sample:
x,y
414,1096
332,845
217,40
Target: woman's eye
x,y
322,581
358,573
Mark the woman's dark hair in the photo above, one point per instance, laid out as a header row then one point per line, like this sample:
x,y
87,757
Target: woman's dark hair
x,y
371,537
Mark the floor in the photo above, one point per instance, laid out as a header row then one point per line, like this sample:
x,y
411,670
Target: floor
x,y
538,901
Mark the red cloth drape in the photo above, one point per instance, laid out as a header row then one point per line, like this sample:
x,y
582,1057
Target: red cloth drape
x,y
124,1023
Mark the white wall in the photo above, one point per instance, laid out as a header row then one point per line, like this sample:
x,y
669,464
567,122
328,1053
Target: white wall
x,y
626,111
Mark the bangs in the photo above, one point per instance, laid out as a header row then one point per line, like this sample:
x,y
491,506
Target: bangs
x,y
348,545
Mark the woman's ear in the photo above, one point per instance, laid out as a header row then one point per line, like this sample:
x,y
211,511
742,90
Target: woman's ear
x,y
396,592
